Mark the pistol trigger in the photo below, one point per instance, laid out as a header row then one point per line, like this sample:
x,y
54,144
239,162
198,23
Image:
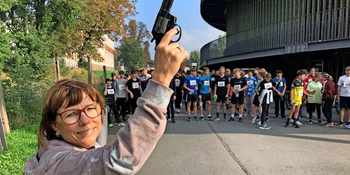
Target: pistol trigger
x,y
178,32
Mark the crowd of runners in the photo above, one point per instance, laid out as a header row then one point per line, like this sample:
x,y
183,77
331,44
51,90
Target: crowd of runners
x,y
246,94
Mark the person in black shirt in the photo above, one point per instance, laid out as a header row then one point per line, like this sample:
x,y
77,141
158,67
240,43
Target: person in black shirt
x,y
179,82
133,89
171,107
110,98
221,90
266,88
238,86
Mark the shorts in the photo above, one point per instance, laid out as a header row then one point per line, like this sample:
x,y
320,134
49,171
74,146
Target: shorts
x,y
256,101
344,102
221,98
239,100
206,97
297,101
191,98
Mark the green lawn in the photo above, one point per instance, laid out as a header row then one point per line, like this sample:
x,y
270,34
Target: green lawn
x,y
99,73
22,144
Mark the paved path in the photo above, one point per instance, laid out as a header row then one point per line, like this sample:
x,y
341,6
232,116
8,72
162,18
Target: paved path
x,y
215,148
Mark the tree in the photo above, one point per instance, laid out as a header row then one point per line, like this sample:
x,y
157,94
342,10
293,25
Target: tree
x,y
218,48
131,55
194,58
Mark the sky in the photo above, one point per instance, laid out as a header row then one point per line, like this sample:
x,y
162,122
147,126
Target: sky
x,y
196,32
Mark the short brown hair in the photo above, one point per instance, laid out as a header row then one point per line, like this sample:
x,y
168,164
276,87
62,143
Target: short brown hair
x,y
63,94
268,75
347,68
222,67
205,69
193,70
236,70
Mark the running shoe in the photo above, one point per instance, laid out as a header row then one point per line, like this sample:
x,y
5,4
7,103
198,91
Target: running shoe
x,y
287,124
210,118
202,118
259,123
295,126
196,118
189,120
329,125
265,126
257,120
231,119
121,124
299,123
310,122
110,125
341,123
217,119
253,121
320,121
347,125
169,120
173,120
267,119
291,121
240,119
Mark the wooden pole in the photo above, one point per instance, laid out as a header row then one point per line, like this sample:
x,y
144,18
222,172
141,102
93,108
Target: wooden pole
x,y
3,114
89,70
57,69
3,144
104,74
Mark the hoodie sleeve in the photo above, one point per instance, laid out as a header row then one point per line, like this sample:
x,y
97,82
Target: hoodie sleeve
x,y
134,143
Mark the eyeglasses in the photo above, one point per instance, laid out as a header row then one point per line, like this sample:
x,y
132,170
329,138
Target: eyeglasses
x,y
71,117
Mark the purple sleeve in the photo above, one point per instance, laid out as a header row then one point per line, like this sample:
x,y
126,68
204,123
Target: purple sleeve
x,y
134,143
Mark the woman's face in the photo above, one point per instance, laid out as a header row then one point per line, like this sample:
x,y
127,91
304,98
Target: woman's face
x,y
85,131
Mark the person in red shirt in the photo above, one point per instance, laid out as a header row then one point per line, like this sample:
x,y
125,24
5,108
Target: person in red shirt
x,y
308,80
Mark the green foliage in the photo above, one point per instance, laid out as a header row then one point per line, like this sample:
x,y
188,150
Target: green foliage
x,y
83,64
4,48
64,71
132,55
22,144
194,58
79,75
219,47
99,73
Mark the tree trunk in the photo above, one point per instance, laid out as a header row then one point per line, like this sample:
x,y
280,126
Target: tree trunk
x,y
3,114
26,28
89,70
57,69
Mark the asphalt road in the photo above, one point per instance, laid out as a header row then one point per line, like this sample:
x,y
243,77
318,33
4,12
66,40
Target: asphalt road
x,y
215,148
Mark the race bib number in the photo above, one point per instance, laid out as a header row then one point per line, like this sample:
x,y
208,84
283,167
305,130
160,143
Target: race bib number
x,y
281,84
300,93
213,79
135,85
110,91
347,85
237,87
121,87
249,83
268,85
221,84
177,82
193,82
206,83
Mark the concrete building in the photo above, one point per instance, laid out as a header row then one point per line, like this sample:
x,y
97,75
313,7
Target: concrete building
x,y
279,34
107,53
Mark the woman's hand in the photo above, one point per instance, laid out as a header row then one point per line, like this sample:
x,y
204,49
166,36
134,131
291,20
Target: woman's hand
x,y
168,59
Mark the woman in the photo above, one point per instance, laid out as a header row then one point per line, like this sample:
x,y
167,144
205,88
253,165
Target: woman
x,y
313,104
328,92
73,113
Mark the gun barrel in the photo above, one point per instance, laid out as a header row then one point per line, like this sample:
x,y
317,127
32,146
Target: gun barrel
x,y
166,5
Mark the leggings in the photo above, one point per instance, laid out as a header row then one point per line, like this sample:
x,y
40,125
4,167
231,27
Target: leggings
x,y
121,106
178,100
311,109
115,112
133,103
249,99
327,109
171,109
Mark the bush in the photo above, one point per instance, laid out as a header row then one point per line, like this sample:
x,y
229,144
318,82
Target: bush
x,y
22,144
64,71
83,64
79,74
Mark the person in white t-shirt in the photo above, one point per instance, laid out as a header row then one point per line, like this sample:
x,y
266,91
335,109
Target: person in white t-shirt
x,y
343,96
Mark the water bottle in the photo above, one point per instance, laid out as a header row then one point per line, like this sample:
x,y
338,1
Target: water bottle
x,y
200,103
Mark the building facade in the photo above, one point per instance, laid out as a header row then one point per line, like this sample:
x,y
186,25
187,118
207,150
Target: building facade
x,y
279,34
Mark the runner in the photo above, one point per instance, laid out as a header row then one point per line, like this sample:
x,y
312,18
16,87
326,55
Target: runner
x,y
171,107
250,94
328,92
238,85
222,85
144,79
266,88
296,95
281,85
179,82
256,103
188,73
256,72
110,99
315,103
204,92
121,95
228,74
344,96
134,90
309,77
191,85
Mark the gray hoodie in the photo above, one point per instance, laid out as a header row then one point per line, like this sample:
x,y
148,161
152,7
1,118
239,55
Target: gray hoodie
x,y
134,143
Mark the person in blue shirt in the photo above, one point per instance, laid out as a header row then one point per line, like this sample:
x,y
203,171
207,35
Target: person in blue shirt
x,y
204,92
281,86
191,85
250,93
